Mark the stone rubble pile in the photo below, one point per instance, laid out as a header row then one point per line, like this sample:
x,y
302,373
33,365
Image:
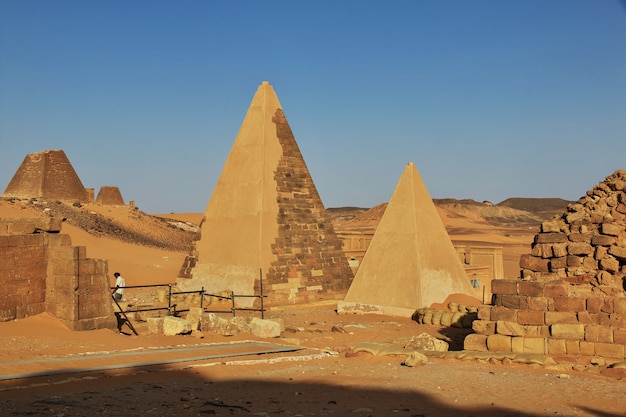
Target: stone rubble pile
x,y
198,321
458,315
570,298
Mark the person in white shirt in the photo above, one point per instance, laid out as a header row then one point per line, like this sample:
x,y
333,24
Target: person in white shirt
x,y
120,283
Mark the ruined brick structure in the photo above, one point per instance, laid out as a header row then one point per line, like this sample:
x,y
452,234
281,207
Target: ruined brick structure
x,y
47,175
40,271
571,298
109,196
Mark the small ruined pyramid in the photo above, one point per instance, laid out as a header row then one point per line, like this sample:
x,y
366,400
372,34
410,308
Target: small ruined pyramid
x,y
411,262
109,196
48,175
265,218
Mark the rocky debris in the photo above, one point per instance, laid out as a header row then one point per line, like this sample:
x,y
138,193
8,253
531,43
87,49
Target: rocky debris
x,y
424,341
415,359
173,326
458,315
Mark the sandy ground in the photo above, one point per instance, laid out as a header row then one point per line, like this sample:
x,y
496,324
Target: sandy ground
x,y
323,378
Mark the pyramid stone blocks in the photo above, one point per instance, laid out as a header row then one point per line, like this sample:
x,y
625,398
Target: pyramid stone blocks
x,y
48,175
265,220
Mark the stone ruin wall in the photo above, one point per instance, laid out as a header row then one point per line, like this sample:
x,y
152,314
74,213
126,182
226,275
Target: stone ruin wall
x,y
571,297
42,272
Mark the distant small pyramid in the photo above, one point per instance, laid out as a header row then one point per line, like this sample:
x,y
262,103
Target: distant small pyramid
x,y
48,175
109,196
266,217
411,261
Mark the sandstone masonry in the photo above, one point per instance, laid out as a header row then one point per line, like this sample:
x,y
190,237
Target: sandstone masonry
x,y
571,296
40,271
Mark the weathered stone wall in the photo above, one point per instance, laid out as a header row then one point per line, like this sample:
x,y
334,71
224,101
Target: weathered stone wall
x,y
310,264
570,298
40,271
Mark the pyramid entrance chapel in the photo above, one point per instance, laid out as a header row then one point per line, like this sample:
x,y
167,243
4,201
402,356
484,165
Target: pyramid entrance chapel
x,y
265,223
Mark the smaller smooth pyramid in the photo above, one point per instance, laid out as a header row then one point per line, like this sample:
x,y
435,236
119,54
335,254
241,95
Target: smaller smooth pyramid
x,y
411,262
109,196
49,175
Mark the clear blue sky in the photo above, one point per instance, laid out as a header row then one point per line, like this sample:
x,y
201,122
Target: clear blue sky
x,y
490,99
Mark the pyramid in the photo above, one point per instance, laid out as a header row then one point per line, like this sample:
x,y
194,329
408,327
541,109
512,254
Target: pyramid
x,y
411,262
48,175
266,220
109,196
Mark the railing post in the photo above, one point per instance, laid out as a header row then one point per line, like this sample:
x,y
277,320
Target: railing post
x,y
232,297
202,298
261,290
169,300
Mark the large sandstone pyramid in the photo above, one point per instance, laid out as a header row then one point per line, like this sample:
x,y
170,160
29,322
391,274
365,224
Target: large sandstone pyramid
x,y
49,175
265,218
411,261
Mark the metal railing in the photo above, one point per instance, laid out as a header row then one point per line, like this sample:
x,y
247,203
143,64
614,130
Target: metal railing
x,y
173,311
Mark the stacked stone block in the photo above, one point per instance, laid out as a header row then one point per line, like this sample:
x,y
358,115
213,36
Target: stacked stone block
x,y
310,264
40,271
570,298
553,318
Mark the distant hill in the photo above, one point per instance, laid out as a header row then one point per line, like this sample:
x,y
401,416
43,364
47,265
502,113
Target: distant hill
x,y
511,212
545,208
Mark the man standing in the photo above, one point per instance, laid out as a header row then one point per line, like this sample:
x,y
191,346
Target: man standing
x,y
120,283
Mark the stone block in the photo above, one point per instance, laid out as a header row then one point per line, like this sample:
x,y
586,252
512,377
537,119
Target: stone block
x,y
484,312
574,304
266,328
534,345
587,348
540,304
618,252
485,327
557,347
509,329
557,263
555,289
517,344
579,248
499,343
475,342
530,288
554,317
611,229
194,317
155,325
619,305
617,320
609,350
619,336
174,326
594,304
559,250
598,334
504,286
532,317
572,347
512,301
579,237
503,314
554,225
568,331
551,238
603,240
537,331
534,263
584,317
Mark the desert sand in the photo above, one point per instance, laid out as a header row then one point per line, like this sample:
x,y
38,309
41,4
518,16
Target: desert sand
x,y
324,377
